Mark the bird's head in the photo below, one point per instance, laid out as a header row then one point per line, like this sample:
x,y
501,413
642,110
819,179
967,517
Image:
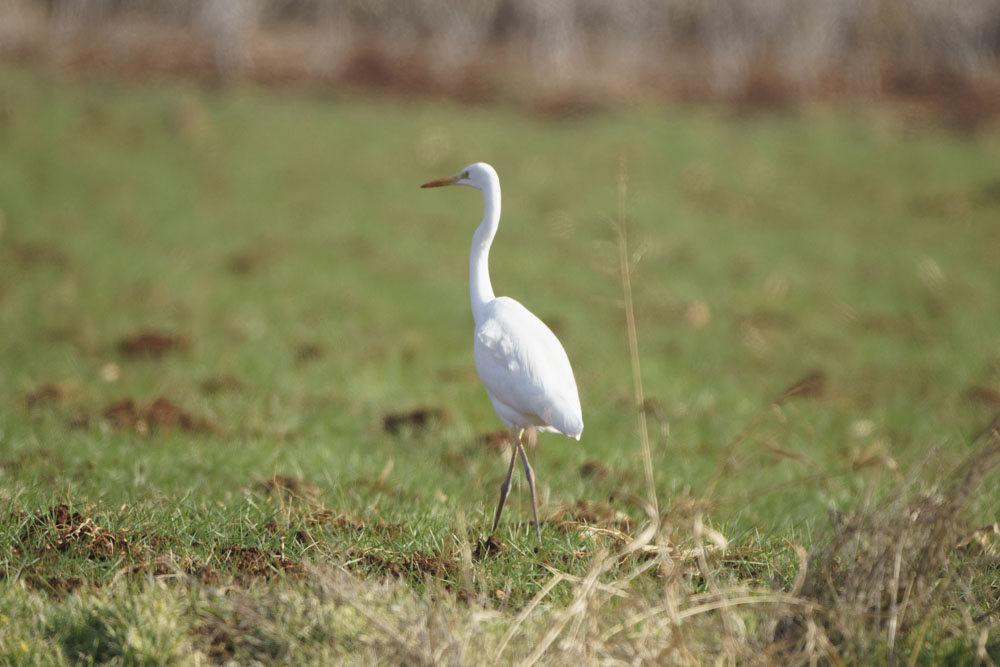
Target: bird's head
x,y
479,175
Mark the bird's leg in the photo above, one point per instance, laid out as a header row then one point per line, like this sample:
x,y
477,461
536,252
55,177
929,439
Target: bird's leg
x,y
505,487
530,474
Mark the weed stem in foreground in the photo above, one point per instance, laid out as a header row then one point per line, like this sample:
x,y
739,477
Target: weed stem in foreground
x,y
621,228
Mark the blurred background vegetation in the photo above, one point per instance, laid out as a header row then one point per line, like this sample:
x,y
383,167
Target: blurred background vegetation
x,y
234,334
563,56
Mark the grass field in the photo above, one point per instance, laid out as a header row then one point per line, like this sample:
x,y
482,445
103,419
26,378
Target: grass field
x,y
240,418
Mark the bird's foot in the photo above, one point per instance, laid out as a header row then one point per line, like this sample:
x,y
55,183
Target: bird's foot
x,y
491,546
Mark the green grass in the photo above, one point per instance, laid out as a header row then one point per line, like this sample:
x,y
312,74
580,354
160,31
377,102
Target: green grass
x,y
837,241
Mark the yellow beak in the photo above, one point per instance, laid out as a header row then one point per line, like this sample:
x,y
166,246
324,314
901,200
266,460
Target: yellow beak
x,y
449,180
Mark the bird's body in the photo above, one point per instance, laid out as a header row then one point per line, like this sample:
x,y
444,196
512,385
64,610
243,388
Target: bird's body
x,y
525,369
520,361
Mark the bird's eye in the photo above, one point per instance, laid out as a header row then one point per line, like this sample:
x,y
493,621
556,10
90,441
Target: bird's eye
x,y
465,175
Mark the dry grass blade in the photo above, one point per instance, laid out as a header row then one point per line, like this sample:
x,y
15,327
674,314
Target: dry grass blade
x,y
621,227
904,565
794,456
720,603
590,585
982,657
409,649
813,384
618,588
731,623
556,579
981,536
766,598
576,608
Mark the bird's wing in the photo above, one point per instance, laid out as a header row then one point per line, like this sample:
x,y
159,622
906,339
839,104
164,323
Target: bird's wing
x,y
524,366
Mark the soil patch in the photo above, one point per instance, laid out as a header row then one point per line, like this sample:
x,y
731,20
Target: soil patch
x,y
290,486
491,546
48,392
350,525
417,419
496,441
60,529
32,253
221,384
245,263
160,414
591,513
152,344
251,562
56,586
415,565
319,518
306,352
594,470
984,395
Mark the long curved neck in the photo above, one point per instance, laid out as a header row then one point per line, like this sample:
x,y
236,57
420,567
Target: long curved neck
x,y
480,288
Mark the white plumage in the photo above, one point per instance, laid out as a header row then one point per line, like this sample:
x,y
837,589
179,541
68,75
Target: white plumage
x,y
525,370
521,362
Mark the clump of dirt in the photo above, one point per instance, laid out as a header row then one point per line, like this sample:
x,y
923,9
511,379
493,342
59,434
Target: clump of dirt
x,y
289,486
165,564
244,263
416,565
347,524
306,352
811,386
594,470
61,529
153,344
340,524
122,414
592,513
158,415
54,585
416,419
48,392
31,253
319,518
315,520
221,384
496,441
491,546
197,569
78,419
984,395
251,562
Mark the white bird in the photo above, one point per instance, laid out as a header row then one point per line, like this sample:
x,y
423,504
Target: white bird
x,y
521,362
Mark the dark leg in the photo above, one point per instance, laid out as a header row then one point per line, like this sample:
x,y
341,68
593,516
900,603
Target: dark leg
x,y
505,487
531,485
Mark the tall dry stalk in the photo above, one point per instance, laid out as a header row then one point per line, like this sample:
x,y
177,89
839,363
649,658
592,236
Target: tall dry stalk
x,y
625,266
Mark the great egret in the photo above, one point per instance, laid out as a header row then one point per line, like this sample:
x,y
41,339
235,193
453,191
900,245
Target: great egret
x,y
521,362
